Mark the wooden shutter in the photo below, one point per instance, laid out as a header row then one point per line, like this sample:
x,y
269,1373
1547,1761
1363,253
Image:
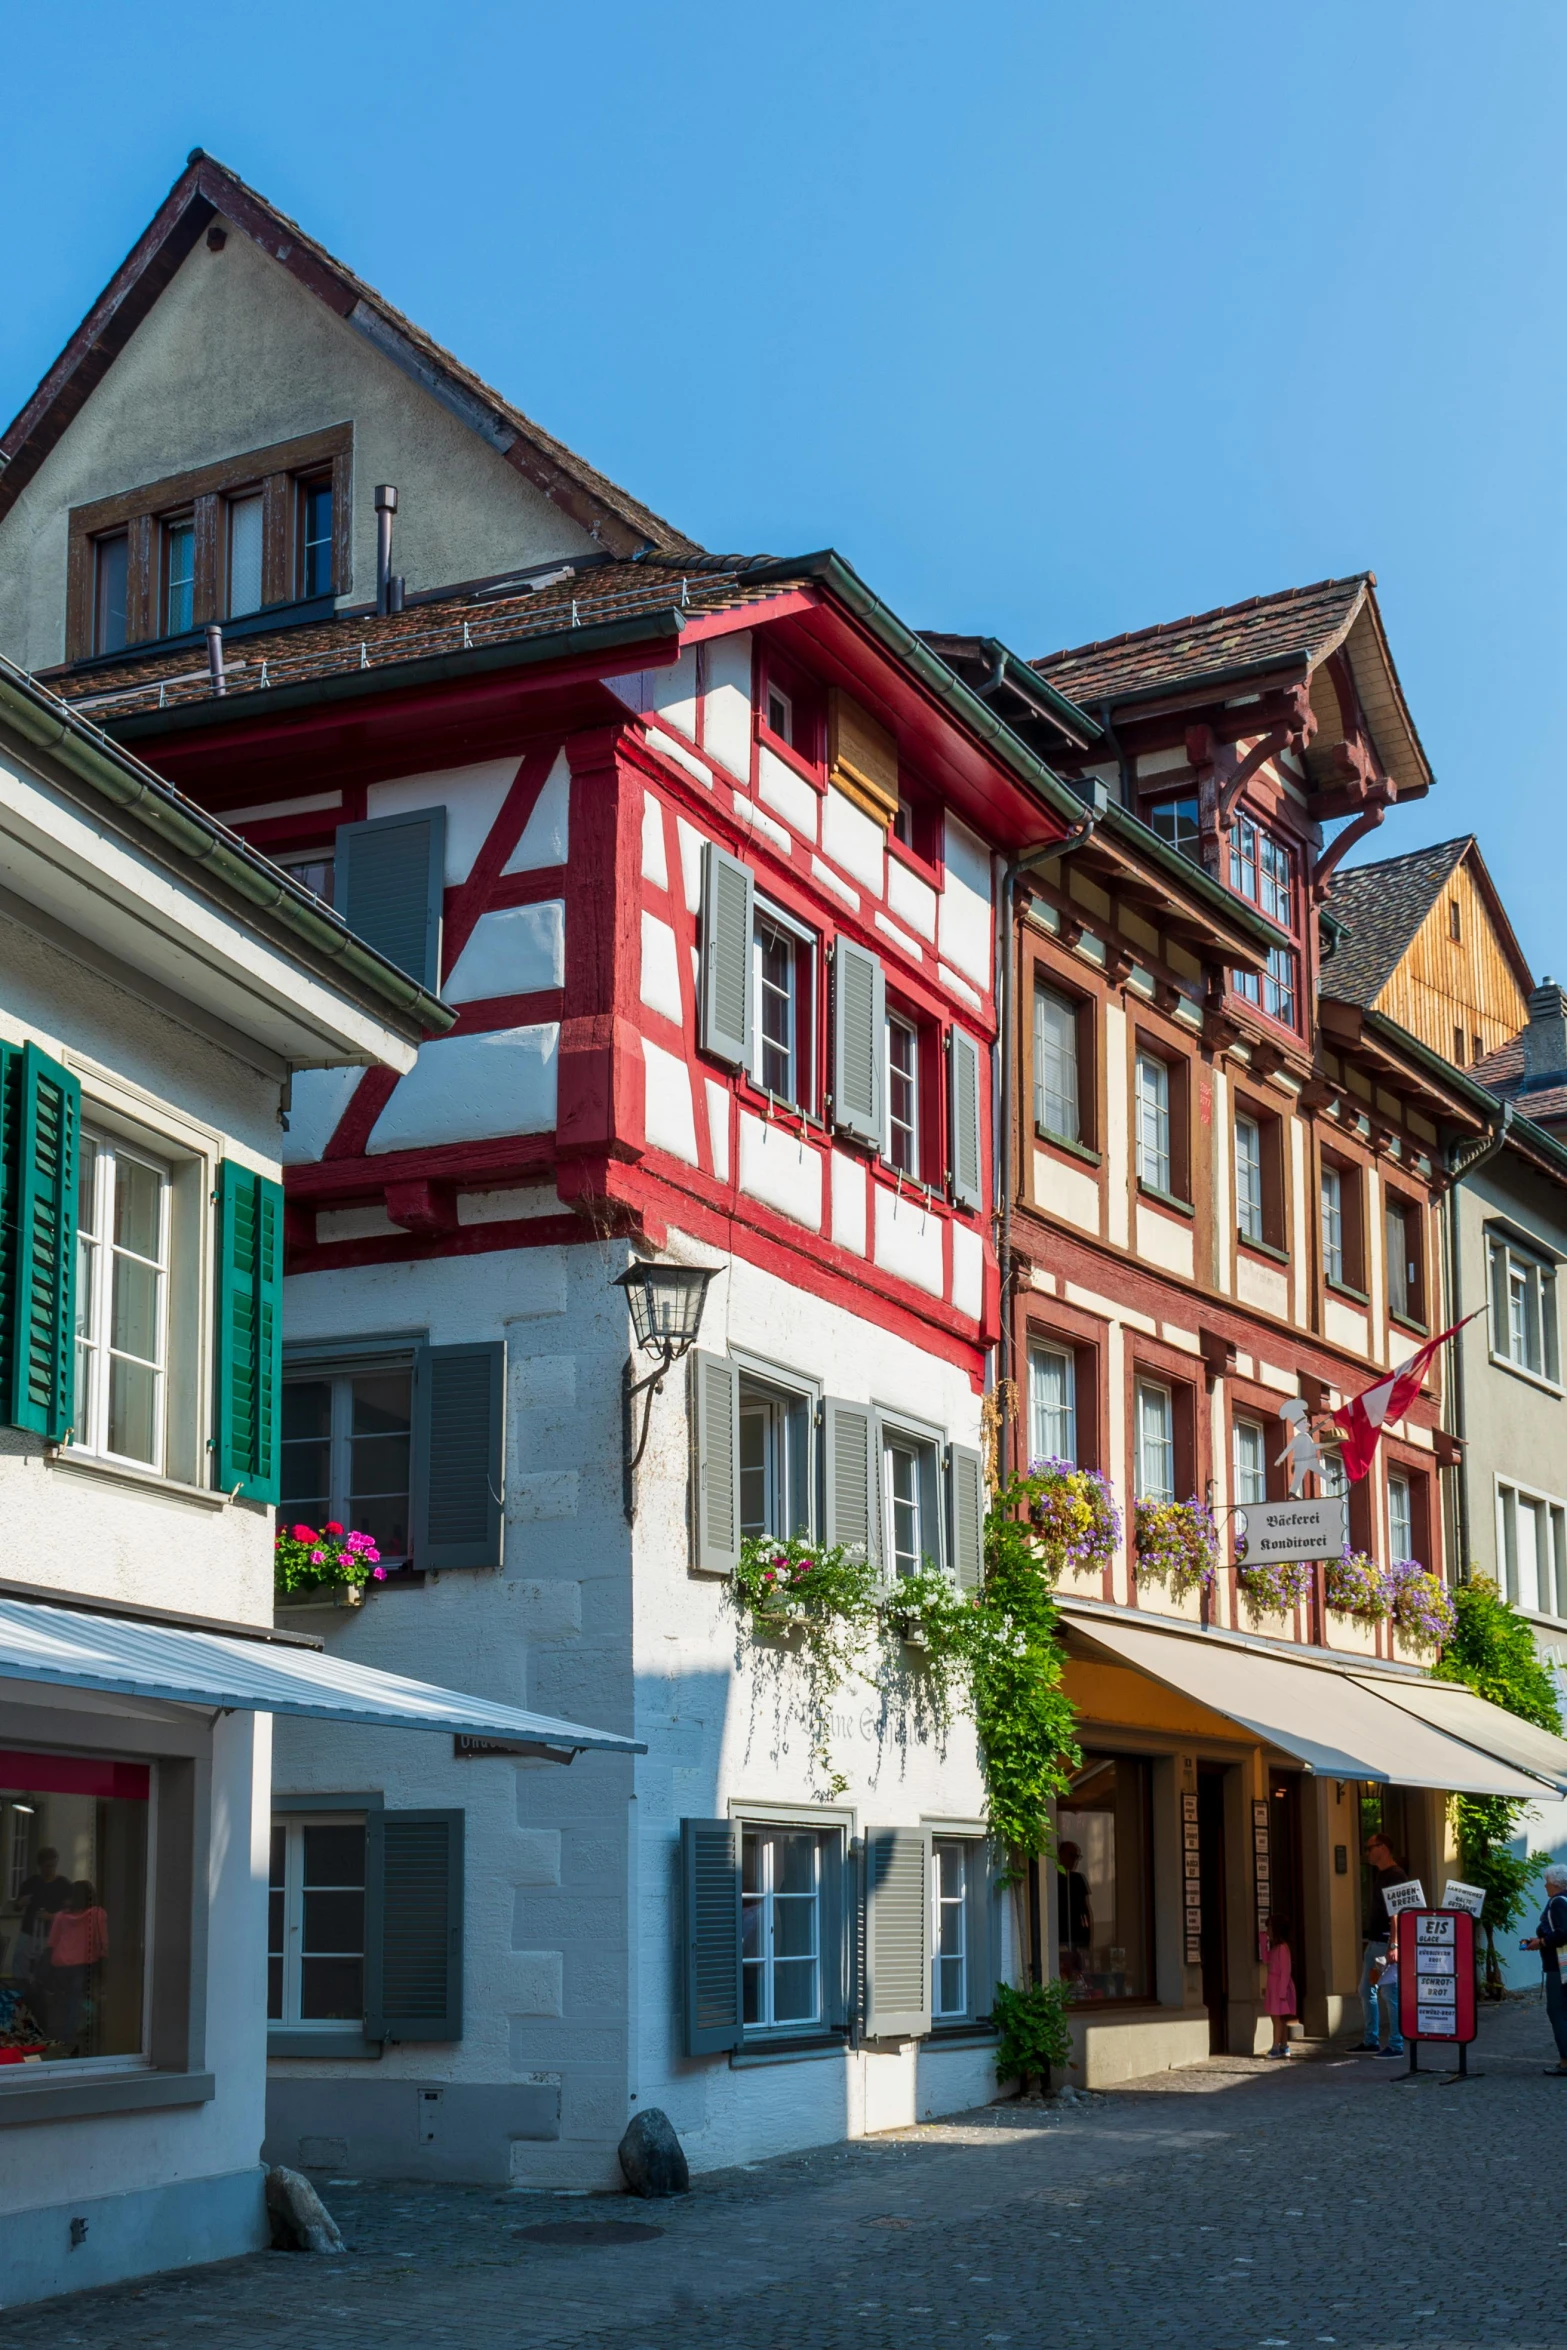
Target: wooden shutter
x,y
897,1933
388,880
40,1134
715,1466
458,1447
728,919
859,1042
963,1098
966,1515
249,1374
413,1925
852,1453
710,1885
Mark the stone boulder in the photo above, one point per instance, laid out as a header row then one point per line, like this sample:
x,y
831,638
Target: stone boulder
x,y
300,2220
652,2157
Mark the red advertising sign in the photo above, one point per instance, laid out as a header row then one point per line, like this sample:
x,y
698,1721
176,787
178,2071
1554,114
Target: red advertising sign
x,y
1436,1975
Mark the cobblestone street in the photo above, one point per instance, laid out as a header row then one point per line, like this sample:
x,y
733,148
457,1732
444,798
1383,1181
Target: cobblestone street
x,y
1234,2207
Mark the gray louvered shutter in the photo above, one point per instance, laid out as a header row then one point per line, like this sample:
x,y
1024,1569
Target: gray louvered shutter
x,y
728,920
710,1903
413,1925
897,1933
852,1476
966,1515
965,1175
859,1042
387,883
715,1463
458,1438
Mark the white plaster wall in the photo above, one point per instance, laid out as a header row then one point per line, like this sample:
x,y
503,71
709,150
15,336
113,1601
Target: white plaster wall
x,y
546,837
514,950
668,1117
726,716
785,789
965,903
472,797
466,1088
236,356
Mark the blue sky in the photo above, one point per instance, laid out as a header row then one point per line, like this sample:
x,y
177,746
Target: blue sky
x,y
1055,320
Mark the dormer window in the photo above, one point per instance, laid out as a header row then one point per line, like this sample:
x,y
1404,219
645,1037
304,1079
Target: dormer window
x,y
244,554
315,537
179,576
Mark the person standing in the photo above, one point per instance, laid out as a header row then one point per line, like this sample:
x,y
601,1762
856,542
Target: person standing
x,y
1550,1939
78,1940
1279,1998
42,1895
1378,2009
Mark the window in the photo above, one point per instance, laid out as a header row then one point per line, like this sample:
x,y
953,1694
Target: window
x,y
122,1272
780,992
1243,857
179,577
244,554
1405,1289
1052,1385
1523,1310
1455,921
111,562
780,713
1333,1224
1479,1048
313,869
1175,821
903,824
911,1509
1400,1517
775,1460
1278,986
950,1894
1532,1547
1057,1105
1248,1178
1458,1046
903,1147
780,1926
1104,1889
1155,1442
346,1443
1251,1462
73,1859
1276,871
315,538
1153,1123
1263,869
316,1922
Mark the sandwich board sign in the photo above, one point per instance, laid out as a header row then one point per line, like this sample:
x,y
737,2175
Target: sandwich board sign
x,y
1436,1979
1291,1530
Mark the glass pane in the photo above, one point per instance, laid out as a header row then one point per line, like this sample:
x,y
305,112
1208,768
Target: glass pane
x,y
312,873
113,571
307,1408
133,1326
334,1922
274,1990
755,1465
752,1918
794,1925
949,1986
137,1209
1055,1066
278,1857
133,1410
74,1926
382,1404
275,1921
1102,1889
331,1989
1176,822
794,1863
335,1855
244,555
1053,1384
87,1185
751,1864
794,1991
179,555
751,2007
317,580
386,1523
380,1466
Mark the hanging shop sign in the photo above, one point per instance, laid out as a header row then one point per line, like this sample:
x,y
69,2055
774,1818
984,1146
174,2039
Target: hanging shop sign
x,y
1436,1978
1283,1530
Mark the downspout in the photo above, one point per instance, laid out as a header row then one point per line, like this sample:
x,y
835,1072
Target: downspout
x,y
1122,763
1077,837
1459,1169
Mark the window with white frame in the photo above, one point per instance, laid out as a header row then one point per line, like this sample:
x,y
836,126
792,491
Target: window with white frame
x,y
1401,1226
911,1506
122,1308
1400,1516
1333,1224
1523,1310
775,1459
1057,1101
780,994
780,713
1052,1391
1248,1177
346,1444
1278,986
1155,1442
903,1139
1251,1463
954,1887
1531,1542
781,1927
316,1921
1153,1123
179,576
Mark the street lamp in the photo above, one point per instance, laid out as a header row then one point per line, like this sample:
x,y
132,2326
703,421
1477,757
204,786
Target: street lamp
x,y
666,1304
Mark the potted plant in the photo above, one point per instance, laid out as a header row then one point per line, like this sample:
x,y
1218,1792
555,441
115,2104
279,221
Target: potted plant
x,y
311,1568
1178,1544
1357,1587
1274,1586
1419,1605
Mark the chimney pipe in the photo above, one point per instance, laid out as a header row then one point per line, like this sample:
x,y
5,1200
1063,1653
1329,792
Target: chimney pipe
x,y
394,592
215,656
1545,1038
385,508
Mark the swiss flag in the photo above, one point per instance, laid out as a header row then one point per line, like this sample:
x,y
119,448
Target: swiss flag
x,y
1362,1418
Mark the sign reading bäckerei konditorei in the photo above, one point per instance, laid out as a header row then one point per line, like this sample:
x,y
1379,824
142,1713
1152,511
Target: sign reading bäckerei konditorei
x,y
1290,1530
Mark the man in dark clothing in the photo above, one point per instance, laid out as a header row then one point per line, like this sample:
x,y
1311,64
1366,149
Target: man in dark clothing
x,y
1074,1914
1385,1871
43,1895
1548,1940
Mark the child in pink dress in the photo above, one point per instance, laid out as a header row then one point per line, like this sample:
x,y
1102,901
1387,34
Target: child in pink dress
x,y
1279,1998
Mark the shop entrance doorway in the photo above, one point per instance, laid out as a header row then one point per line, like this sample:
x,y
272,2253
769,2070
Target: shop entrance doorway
x,y
1286,1852
1215,1908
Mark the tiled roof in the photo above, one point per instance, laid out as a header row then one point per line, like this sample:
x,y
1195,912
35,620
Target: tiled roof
x,y
1501,1073
1381,907
1308,621
457,621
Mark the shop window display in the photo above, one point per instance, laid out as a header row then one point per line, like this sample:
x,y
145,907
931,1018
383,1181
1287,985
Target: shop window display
x,y
73,1907
1105,1894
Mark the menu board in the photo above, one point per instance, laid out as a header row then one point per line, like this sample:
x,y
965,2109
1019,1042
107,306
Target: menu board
x,y
1191,1878
1264,1874
1436,1974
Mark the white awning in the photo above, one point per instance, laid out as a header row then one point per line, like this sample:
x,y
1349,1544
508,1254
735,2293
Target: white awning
x,y
1460,1713
1338,1726
127,1658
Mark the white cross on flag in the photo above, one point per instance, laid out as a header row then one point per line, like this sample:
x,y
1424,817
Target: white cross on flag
x,y
1361,1419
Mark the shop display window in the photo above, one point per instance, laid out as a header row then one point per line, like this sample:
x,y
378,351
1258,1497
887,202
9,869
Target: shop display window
x,y
1105,1891
73,1907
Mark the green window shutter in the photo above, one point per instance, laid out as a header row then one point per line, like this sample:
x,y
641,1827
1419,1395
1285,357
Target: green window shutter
x,y
40,1132
966,1515
963,1140
859,1042
249,1371
897,1933
413,1925
728,920
388,882
459,1430
852,1477
710,1888
715,1465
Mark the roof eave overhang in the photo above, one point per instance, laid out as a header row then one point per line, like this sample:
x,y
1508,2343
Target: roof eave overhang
x,y
1405,1062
